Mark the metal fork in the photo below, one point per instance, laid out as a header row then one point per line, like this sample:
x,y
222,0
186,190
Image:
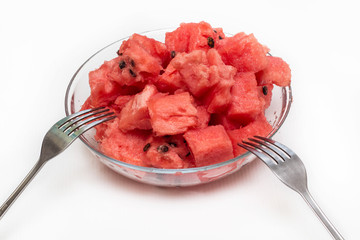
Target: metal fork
x,y
289,168
57,139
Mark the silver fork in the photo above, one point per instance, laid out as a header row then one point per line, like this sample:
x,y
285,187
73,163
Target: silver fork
x,y
57,139
289,168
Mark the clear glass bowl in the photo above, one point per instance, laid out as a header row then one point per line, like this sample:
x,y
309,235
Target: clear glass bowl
x,y
78,91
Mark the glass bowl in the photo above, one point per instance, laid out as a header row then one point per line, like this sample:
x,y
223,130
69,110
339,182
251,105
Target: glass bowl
x,y
79,90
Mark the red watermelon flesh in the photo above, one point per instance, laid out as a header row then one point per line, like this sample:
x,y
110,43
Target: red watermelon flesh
x,y
194,70
127,147
222,119
243,52
172,114
192,36
219,97
167,152
209,145
265,92
203,117
259,127
155,48
194,96
103,90
170,80
246,103
277,72
219,33
135,113
120,102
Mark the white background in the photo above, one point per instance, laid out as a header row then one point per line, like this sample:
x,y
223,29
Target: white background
x,y
42,44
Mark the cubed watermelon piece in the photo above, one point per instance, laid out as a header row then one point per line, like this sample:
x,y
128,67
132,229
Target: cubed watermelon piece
x,y
219,33
218,98
222,119
140,60
103,90
203,117
126,147
155,48
243,52
193,36
246,104
120,102
265,92
170,80
194,70
172,114
259,127
209,145
167,152
277,72
135,113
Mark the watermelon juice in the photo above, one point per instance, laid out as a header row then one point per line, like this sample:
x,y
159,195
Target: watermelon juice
x,y
186,102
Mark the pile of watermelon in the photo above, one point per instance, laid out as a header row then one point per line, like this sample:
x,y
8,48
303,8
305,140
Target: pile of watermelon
x,y
186,102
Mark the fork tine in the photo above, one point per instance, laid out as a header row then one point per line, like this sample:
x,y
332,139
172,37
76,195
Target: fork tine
x,y
83,128
284,148
74,120
263,157
77,114
87,120
273,149
272,153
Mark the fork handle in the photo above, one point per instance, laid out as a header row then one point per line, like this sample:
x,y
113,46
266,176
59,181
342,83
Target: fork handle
x,y
21,187
320,214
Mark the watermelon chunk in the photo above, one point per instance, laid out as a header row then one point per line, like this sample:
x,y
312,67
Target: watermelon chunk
x,y
194,70
259,127
277,72
172,114
120,102
156,49
222,119
209,145
243,52
126,147
219,97
193,36
246,104
170,80
135,113
167,152
103,90
203,117
265,92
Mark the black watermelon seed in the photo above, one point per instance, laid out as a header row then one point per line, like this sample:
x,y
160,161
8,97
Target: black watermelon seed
x,y
162,148
215,31
210,42
188,154
173,53
132,63
119,53
122,64
172,144
265,90
132,73
146,147
220,37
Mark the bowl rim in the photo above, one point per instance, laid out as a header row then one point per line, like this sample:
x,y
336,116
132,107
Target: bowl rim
x,y
287,91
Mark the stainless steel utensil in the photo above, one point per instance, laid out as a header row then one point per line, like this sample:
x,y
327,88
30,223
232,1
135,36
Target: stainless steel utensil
x,y
57,139
289,168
